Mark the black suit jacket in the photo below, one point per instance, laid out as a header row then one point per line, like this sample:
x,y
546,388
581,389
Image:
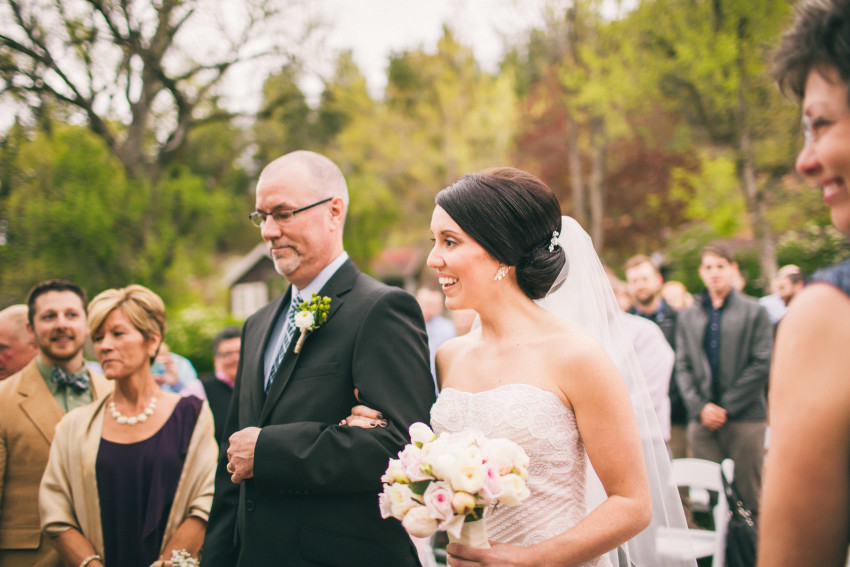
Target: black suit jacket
x,y
313,499
218,397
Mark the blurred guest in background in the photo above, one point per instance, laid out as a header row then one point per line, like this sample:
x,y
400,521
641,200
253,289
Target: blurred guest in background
x,y
130,477
676,295
17,343
32,402
172,371
438,327
217,387
723,350
789,284
644,283
655,355
774,303
806,513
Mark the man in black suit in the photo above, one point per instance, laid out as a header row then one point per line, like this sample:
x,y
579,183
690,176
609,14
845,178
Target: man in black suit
x,y
295,487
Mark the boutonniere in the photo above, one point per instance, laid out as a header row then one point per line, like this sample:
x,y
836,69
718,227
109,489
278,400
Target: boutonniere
x,y
311,315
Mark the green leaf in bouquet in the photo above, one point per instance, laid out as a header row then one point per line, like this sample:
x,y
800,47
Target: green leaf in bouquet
x,y
420,486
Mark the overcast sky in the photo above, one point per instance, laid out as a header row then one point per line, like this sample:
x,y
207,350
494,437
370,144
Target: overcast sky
x,y
375,28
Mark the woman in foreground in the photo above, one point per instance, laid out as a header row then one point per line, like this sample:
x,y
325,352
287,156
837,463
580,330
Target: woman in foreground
x,y
130,477
805,514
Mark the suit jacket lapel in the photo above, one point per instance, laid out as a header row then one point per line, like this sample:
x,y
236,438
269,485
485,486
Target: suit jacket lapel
x,y
38,403
339,284
258,393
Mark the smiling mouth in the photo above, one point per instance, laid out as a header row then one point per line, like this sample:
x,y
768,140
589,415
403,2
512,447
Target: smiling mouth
x,y
447,282
831,189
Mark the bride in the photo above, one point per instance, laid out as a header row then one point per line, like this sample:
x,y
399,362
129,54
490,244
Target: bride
x,y
540,370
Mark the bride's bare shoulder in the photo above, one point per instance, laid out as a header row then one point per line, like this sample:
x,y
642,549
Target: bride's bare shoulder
x,y
573,351
452,348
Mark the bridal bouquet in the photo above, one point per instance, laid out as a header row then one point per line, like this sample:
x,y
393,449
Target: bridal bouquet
x,y
446,483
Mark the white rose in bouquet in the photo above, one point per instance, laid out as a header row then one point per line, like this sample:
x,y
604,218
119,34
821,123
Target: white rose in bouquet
x,y
401,499
467,476
419,523
463,503
514,490
395,472
420,434
505,454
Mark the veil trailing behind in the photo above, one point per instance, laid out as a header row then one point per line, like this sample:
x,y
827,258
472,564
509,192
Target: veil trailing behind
x,y
582,295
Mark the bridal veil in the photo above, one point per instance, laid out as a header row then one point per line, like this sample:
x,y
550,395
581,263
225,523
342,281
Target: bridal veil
x,y
582,295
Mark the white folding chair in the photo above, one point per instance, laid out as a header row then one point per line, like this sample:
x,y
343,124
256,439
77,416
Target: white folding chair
x,y
684,543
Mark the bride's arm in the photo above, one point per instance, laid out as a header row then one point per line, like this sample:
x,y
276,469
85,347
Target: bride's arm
x,y
607,426
369,418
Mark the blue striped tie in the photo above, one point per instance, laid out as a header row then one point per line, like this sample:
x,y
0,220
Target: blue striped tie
x,y
288,333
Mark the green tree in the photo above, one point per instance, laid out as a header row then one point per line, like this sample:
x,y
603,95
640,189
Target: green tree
x,y
72,212
285,122
707,60
134,72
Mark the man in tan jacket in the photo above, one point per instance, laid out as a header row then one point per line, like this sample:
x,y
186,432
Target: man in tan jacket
x,y
32,402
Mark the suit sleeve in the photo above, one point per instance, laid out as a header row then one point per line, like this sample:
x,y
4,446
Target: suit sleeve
x,y
752,381
220,544
685,374
55,500
391,369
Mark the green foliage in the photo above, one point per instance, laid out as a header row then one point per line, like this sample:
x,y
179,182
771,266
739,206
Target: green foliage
x,y
73,213
67,202
190,332
711,194
813,247
285,122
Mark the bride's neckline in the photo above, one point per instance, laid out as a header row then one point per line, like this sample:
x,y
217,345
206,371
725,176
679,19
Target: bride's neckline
x,y
503,386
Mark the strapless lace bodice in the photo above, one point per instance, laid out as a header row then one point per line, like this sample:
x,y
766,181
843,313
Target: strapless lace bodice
x,y
539,422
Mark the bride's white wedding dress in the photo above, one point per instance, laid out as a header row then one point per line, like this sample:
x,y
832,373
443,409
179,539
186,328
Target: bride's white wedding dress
x,y
541,424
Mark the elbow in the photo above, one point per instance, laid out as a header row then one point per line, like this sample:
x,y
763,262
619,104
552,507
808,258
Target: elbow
x,y
644,516
641,514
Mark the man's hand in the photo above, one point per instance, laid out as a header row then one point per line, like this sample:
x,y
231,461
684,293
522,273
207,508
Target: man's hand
x,y
240,454
713,416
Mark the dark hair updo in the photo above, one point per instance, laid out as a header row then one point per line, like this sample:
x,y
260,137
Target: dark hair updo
x,y
512,215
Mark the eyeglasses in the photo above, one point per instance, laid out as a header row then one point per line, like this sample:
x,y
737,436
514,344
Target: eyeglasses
x,y
813,129
280,216
227,353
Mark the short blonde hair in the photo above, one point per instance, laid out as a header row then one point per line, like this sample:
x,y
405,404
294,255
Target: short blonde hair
x,y
143,309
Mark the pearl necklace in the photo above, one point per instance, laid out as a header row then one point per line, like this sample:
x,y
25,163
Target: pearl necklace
x,y
132,420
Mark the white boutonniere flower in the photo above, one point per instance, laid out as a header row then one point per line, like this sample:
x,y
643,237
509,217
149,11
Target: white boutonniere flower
x,y
310,316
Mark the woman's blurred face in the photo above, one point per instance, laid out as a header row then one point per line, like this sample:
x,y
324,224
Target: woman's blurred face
x,y
120,348
825,159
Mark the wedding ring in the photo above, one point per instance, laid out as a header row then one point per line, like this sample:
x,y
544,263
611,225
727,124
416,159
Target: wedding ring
x,y
230,468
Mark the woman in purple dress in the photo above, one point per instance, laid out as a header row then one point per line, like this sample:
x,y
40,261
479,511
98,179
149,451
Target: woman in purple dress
x,y
805,515
130,477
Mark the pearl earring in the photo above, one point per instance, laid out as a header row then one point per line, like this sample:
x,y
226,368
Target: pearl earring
x,y
500,273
